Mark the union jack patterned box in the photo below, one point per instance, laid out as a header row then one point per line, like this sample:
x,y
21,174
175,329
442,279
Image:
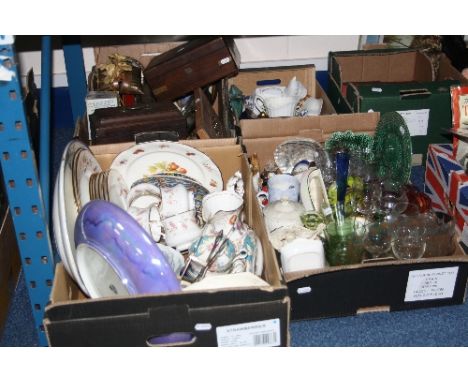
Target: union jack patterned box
x,y
446,183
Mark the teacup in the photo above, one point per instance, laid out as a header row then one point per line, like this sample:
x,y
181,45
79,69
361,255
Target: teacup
x,y
148,217
144,195
143,203
181,230
283,186
175,200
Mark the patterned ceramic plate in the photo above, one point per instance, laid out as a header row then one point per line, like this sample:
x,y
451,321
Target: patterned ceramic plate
x,y
392,148
289,153
152,158
67,202
84,165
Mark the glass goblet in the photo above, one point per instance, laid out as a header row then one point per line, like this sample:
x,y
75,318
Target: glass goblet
x,y
377,238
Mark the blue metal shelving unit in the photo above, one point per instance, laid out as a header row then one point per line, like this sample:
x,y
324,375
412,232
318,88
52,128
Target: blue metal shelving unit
x,y
23,188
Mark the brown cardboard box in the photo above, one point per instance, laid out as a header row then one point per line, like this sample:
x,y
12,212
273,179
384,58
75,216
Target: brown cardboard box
x,y
374,286
263,137
74,320
10,264
248,79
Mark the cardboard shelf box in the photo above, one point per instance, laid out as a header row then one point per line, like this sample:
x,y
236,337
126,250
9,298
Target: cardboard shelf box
x,y
373,286
402,80
72,319
249,79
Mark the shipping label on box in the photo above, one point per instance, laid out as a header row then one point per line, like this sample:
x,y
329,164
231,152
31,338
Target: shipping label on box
x,y
431,284
416,120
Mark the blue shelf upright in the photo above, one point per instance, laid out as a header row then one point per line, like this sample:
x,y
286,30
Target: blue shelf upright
x,y
23,188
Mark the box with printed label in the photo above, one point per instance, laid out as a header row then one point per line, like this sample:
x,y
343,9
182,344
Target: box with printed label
x,y
236,316
385,285
401,80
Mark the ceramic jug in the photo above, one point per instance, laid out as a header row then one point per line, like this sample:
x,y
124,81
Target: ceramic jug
x,y
227,244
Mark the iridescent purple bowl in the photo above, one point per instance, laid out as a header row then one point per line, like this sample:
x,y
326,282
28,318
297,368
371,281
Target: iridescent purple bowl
x,y
115,255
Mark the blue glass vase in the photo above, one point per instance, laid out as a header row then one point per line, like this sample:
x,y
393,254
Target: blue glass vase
x,y
342,167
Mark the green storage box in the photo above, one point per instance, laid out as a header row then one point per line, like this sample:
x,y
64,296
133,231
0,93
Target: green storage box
x,y
425,107
400,80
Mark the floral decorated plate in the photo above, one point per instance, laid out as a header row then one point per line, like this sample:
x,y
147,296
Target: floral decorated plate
x,y
148,159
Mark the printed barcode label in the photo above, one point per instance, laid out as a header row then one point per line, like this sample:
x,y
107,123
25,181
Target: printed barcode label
x,y
258,333
265,339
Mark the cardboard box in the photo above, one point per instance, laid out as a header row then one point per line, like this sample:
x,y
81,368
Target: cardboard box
x,y
249,79
396,80
10,264
263,137
74,320
373,286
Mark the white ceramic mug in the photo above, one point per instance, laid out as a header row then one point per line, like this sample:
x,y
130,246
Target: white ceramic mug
x,y
283,186
302,254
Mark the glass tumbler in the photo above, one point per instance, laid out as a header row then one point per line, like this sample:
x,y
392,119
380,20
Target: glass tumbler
x,y
343,243
408,242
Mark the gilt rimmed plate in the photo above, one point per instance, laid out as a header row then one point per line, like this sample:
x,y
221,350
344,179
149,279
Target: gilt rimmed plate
x,y
68,208
147,159
293,151
85,165
392,148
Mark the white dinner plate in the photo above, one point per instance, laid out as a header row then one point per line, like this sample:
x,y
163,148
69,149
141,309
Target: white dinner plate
x,y
56,225
68,207
158,157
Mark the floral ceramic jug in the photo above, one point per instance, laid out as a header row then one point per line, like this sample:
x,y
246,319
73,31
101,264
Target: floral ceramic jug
x,y
227,244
